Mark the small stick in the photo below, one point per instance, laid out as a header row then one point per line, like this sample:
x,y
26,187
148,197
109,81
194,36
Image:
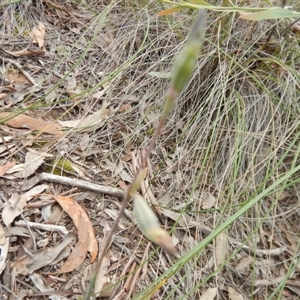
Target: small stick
x,y
48,227
82,184
145,266
116,264
128,264
40,204
30,232
133,283
265,282
127,284
261,252
138,272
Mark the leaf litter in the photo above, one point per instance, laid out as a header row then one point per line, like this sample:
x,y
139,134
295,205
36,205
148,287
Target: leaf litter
x,y
39,259
117,117
86,236
24,121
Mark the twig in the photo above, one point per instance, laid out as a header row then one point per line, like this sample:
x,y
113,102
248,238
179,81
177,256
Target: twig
x,y
30,232
8,290
292,283
116,264
138,272
48,227
126,267
132,283
261,252
264,282
127,284
129,280
82,184
40,204
145,266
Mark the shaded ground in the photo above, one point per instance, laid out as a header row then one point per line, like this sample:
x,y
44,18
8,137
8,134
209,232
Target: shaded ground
x,y
87,81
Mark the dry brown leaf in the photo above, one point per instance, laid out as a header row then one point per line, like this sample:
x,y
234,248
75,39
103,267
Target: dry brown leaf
x,y
283,195
295,27
209,294
77,93
2,95
99,94
41,258
39,34
122,185
24,121
208,200
39,283
6,139
26,53
184,220
125,176
292,240
244,263
293,285
220,249
32,162
16,231
74,90
71,84
14,169
15,205
20,92
126,158
4,150
2,235
234,295
64,254
124,108
84,142
4,252
90,121
54,216
5,168
86,236
145,265
78,169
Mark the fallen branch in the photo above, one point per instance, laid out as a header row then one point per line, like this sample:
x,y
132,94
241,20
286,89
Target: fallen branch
x,y
261,252
265,282
48,227
82,184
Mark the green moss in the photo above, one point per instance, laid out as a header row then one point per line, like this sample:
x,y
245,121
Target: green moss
x,y
60,167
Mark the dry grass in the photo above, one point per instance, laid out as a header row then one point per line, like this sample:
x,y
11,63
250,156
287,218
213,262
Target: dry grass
x,y
233,133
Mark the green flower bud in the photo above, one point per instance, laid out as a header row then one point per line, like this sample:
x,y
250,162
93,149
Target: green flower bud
x,y
149,224
186,59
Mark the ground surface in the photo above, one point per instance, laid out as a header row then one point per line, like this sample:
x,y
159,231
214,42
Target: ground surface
x,y
82,87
